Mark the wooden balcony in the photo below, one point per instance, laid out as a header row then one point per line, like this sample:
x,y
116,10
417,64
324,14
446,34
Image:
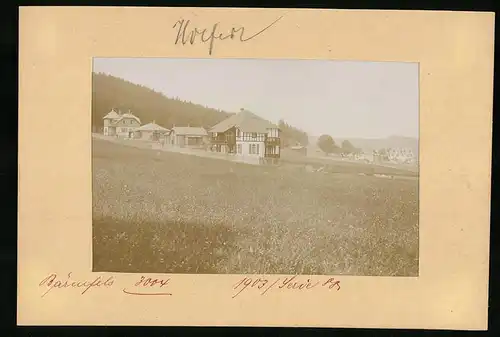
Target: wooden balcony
x,y
218,141
223,140
273,141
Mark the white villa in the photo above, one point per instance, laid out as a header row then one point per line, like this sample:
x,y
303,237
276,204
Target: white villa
x,y
120,124
247,135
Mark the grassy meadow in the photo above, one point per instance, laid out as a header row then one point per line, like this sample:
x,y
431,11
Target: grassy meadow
x,y
155,211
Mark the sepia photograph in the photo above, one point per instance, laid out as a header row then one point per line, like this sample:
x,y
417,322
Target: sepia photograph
x,y
162,185
255,166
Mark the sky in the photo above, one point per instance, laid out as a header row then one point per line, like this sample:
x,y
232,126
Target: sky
x,y
345,99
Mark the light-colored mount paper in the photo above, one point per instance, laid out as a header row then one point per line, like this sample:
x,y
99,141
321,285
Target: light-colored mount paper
x,y
455,53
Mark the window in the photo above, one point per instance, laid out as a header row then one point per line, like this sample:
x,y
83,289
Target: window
x,y
238,147
253,148
254,135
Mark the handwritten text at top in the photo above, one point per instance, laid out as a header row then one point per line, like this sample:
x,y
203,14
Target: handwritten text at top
x,y
187,34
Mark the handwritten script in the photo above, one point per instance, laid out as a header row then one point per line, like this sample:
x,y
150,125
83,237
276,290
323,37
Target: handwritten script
x,y
54,282
148,286
143,286
186,34
292,283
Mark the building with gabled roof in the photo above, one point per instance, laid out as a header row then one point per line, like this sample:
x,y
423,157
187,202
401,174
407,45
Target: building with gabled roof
x,y
246,134
246,121
151,131
188,136
112,115
120,124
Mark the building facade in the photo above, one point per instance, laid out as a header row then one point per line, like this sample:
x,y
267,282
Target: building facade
x,y
247,135
187,136
120,124
151,132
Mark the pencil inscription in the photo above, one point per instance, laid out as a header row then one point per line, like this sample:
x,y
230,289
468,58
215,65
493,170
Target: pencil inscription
x,y
186,34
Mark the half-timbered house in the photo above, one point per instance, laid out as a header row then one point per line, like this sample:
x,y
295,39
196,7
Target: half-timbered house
x,y
246,134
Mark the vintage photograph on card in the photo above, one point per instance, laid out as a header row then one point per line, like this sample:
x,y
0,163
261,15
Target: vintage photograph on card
x,y
255,166
330,170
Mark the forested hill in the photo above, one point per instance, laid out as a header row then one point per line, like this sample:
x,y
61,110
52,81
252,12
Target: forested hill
x,y
112,92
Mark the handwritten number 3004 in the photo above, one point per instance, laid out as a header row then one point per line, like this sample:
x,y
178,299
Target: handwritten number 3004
x,y
147,282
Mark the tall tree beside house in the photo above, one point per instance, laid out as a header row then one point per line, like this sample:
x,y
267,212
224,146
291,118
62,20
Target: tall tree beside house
x,y
327,144
291,135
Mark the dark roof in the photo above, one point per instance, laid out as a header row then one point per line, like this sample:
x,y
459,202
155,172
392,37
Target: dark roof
x,y
246,121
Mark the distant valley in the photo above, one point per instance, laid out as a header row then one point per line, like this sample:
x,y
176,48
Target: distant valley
x,y
370,144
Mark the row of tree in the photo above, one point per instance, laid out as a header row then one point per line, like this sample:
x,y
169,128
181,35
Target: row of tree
x,y
110,92
327,144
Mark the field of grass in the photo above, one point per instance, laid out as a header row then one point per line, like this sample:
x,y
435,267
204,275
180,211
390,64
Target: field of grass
x,y
156,211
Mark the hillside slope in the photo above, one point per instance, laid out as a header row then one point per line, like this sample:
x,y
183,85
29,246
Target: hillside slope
x,y
112,92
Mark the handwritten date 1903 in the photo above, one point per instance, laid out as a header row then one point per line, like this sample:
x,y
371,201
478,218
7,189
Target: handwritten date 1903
x,y
287,283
